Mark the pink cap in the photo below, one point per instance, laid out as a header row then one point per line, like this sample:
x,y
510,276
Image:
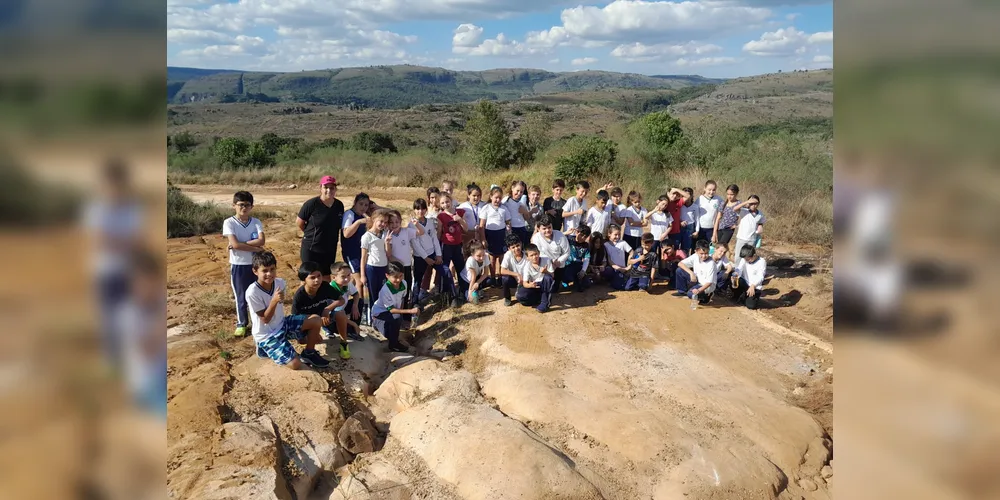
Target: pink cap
x,y
327,179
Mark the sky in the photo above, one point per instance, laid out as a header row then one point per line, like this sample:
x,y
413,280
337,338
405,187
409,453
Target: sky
x,y
713,38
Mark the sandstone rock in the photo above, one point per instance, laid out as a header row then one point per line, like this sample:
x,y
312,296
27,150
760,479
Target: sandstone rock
x,y
808,484
357,435
278,381
417,382
485,455
826,472
728,472
368,357
378,479
354,382
246,464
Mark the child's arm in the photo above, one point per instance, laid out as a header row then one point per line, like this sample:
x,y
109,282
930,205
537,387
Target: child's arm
x,y
246,247
268,313
417,227
353,228
440,231
481,230
364,265
684,266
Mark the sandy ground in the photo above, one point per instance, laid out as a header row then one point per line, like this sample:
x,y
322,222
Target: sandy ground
x,y
646,397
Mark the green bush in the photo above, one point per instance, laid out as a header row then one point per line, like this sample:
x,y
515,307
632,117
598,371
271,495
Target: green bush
x,y
659,140
586,157
258,156
187,218
373,142
183,142
231,151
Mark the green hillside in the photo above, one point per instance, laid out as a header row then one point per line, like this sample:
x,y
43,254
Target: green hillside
x,y
399,86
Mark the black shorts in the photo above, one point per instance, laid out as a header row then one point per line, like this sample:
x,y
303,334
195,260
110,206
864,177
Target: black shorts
x,y
495,242
325,260
725,235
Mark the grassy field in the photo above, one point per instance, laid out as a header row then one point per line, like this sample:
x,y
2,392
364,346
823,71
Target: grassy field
x,y
776,143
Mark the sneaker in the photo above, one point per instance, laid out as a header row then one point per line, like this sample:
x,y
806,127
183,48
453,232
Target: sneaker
x,y
678,294
240,331
507,302
314,359
456,303
345,352
542,309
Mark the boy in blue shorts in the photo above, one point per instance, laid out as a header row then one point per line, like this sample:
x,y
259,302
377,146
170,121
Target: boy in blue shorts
x,y
272,330
245,236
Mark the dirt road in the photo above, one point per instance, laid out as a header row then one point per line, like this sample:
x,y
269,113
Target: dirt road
x,y
634,394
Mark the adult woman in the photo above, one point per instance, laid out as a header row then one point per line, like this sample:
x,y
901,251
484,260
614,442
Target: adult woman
x,y
727,218
320,220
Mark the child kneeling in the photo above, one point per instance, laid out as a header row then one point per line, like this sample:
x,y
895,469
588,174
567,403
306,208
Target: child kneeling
x,y
386,314
272,330
537,282
696,275
750,271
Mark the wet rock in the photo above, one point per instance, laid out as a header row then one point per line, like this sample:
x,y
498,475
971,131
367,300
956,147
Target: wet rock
x,y
358,435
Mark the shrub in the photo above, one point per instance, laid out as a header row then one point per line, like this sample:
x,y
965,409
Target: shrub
x,y
187,218
373,142
273,143
487,137
231,151
183,142
532,139
258,156
660,140
586,157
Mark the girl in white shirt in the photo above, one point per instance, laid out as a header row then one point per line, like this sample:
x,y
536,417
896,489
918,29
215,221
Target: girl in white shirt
x,y
751,223
399,243
689,222
474,273
708,205
471,208
632,231
374,258
516,204
493,222
659,222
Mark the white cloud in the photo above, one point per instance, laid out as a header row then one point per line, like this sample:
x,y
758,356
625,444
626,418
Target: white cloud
x,y
821,37
640,20
786,42
406,10
184,36
556,36
554,61
499,46
822,59
640,52
467,35
705,61
582,61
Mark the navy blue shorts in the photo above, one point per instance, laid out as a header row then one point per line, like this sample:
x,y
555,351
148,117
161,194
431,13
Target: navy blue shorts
x,y
354,262
495,245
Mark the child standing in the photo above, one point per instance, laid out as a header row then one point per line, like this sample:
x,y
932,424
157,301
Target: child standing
x,y
399,246
471,210
598,257
354,226
696,274
388,310
511,268
374,256
432,202
575,272
751,224
689,221
316,297
575,208
272,330
636,216
245,235
493,222
750,273
642,264
451,229
553,246
553,205
537,283
660,222
518,209
427,255
708,207
617,262
727,218
614,207
448,187
535,207
599,217
473,274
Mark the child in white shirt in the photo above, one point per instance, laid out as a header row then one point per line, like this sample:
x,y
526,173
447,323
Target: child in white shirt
x,y
635,216
659,222
751,223
696,275
749,278
553,246
511,267
388,309
617,251
471,208
399,245
516,204
598,217
246,238
708,205
537,283
427,255
689,222
493,221
473,274
575,208
374,257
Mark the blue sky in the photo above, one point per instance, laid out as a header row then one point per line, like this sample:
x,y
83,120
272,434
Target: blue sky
x,y
715,38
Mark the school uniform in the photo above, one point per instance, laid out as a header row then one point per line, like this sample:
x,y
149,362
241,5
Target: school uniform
x,y
471,215
573,221
512,264
495,220
465,277
706,210
659,227
751,275
705,272
598,220
402,252
688,215
617,254
746,230
377,264
633,234
351,246
540,296
451,239
518,224
274,337
386,322
241,274
722,283
424,247
556,250
579,259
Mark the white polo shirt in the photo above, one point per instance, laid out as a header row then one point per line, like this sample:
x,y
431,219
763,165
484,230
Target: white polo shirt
x,y
635,216
402,245
513,208
598,220
496,217
244,233
659,224
706,271
556,249
748,224
529,273
617,252
753,273
707,209
376,250
258,299
573,221
511,263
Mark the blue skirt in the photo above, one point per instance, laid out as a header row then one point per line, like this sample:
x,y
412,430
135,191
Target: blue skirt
x,y
495,244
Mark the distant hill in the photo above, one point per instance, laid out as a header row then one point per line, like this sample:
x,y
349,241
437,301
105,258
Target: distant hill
x,y
400,86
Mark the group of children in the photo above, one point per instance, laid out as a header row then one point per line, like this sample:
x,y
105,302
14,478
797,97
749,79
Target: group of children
x,y
529,248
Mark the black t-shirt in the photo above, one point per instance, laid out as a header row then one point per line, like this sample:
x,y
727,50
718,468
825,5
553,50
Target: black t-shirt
x,y
557,205
302,303
322,225
644,266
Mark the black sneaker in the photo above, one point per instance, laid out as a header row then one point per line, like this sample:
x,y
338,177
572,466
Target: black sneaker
x,y
314,359
456,303
507,302
678,294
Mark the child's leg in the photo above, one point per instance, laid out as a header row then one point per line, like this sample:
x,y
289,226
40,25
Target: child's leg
x,y
241,278
528,296
682,281
340,318
419,270
546,287
508,283
463,289
643,283
311,327
388,326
